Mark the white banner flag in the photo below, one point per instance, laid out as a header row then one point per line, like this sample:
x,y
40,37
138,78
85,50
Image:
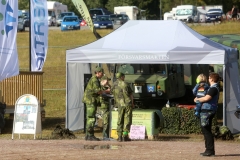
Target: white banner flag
x,y
39,34
8,32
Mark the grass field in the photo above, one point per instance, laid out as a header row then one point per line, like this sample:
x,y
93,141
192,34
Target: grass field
x,y
54,82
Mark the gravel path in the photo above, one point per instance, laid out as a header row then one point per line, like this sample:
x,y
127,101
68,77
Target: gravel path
x,y
107,150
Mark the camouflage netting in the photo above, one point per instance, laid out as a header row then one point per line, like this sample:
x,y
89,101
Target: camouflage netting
x,y
182,121
62,133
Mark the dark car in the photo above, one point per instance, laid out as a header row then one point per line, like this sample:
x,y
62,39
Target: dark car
x,y
214,15
119,18
103,22
98,11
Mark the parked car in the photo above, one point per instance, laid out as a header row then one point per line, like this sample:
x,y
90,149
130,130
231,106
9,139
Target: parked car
x,y
61,15
98,11
119,19
103,22
70,23
214,15
20,26
26,18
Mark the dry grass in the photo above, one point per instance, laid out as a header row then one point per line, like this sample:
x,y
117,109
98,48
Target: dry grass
x,y
223,28
55,66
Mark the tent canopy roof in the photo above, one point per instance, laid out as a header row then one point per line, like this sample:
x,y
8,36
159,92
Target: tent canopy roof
x,y
153,41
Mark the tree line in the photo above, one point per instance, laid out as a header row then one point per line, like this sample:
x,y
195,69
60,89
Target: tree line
x,y
154,8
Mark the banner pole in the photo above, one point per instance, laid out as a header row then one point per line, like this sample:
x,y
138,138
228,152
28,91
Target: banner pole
x,y
30,44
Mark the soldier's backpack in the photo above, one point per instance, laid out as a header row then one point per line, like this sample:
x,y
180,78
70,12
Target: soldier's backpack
x,y
62,133
223,132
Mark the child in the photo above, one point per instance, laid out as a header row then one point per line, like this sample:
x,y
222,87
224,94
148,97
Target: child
x,y
200,90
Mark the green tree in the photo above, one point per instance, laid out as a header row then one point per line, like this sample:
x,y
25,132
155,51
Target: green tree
x,y
23,4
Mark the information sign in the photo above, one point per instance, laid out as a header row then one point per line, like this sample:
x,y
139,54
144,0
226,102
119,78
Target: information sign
x,y
27,117
137,132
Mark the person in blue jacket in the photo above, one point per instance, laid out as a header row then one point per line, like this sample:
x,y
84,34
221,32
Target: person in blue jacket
x,y
208,111
200,90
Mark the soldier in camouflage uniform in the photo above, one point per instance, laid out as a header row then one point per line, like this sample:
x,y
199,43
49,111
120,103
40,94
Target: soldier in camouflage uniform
x,y
123,100
91,98
104,109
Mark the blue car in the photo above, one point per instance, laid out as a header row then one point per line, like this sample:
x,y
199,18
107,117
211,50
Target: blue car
x,y
70,23
214,15
103,22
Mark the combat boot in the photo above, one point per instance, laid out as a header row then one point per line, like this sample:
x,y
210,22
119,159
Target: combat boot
x,y
92,138
119,139
126,138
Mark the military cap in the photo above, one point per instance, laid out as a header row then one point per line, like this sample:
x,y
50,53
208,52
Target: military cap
x,y
105,78
119,74
99,69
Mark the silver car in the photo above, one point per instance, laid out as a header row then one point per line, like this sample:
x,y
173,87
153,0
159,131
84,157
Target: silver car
x,y
21,26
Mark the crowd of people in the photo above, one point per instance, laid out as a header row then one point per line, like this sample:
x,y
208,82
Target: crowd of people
x,y
206,92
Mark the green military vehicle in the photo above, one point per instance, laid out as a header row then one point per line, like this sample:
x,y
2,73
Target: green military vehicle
x,y
154,84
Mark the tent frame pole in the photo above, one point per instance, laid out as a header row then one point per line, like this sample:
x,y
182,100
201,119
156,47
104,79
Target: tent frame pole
x,y
224,95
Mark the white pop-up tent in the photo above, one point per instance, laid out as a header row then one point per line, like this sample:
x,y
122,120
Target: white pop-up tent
x,y
146,42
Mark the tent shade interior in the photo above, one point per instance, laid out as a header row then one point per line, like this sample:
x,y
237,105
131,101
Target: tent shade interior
x,y
151,42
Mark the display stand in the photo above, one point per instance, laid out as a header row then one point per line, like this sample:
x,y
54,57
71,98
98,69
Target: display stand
x,y
27,116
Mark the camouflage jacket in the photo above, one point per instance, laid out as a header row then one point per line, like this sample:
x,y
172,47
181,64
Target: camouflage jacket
x,y
121,92
91,91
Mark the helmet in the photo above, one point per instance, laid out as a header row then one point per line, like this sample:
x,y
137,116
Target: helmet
x,y
99,69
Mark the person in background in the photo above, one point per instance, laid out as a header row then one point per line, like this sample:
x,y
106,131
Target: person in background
x,y
200,90
104,109
91,98
123,100
208,111
234,13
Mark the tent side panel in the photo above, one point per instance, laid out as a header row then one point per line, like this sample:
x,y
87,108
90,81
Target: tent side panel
x,y
75,89
232,93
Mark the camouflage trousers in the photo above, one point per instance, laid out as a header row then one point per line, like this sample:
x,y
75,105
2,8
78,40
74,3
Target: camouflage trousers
x,y
105,119
90,119
124,119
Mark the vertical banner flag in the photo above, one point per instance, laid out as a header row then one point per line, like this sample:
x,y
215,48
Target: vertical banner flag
x,y
83,10
8,33
39,34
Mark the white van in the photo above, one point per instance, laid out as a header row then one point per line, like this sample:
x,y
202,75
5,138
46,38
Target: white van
x,y
131,11
186,13
55,8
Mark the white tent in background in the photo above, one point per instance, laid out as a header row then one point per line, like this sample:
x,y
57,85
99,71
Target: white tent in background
x,y
151,42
